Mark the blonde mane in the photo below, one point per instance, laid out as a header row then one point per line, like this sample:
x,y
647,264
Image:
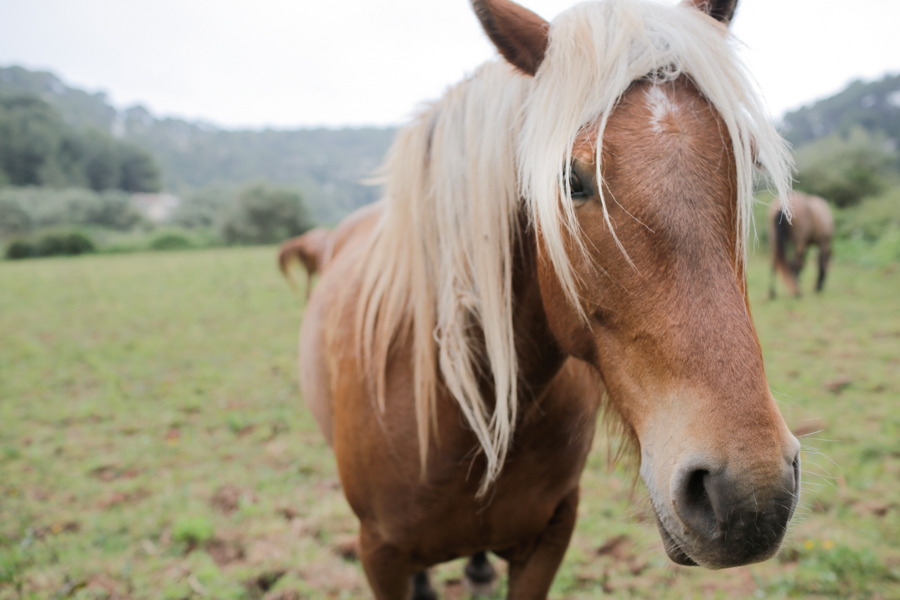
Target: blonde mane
x,y
439,268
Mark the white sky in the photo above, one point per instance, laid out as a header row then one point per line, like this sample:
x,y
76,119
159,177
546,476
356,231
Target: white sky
x,y
291,63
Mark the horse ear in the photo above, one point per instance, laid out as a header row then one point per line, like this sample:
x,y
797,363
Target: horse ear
x,y
720,10
520,35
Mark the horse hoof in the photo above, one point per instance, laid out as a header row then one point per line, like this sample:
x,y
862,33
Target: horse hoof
x,y
428,594
480,580
480,589
422,589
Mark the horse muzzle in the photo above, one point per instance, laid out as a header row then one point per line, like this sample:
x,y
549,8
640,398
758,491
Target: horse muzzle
x,y
723,517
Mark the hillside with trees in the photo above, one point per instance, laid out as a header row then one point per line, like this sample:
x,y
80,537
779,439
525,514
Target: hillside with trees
x,y
56,137
846,145
873,107
39,148
846,151
328,166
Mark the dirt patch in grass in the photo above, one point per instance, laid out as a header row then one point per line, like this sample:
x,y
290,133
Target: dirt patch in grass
x,y
225,552
229,498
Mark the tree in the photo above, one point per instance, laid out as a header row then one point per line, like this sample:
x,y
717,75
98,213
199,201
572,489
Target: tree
x,y
30,134
844,170
137,169
264,214
101,161
38,148
872,106
204,207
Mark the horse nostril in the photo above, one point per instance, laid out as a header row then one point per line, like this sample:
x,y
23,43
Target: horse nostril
x,y
696,493
694,504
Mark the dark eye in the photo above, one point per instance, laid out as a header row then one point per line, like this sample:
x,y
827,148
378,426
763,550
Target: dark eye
x,y
575,187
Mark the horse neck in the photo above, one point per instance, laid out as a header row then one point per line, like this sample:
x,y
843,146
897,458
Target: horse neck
x,y
538,354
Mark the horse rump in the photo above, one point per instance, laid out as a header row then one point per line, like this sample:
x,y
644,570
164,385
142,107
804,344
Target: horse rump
x,y
309,249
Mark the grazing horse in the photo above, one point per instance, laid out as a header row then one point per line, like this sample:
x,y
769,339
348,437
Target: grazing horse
x,y
563,233
810,225
310,249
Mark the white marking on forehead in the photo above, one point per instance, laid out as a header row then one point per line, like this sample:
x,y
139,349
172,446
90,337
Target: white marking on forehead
x,y
660,105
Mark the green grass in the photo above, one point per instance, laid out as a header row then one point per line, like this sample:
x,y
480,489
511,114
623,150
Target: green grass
x,y
153,444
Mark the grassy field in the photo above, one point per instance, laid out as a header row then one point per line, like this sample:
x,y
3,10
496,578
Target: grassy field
x,y
153,444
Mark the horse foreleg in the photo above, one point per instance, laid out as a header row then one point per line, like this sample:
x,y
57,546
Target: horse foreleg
x,y
824,257
531,572
797,266
480,575
422,589
389,573
772,279
790,279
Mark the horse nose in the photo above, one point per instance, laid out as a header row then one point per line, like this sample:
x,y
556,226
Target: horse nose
x,y
739,515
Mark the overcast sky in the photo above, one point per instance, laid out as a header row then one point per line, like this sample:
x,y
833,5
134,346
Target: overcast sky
x,y
291,63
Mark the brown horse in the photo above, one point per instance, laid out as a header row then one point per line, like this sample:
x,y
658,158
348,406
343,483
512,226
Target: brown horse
x,y
811,224
561,233
310,249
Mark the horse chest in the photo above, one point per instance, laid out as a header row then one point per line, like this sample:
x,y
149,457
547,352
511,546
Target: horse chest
x,y
440,517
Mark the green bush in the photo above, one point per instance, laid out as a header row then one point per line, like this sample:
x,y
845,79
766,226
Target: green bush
x,y
869,233
881,253
23,210
170,241
52,244
64,244
264,214
872,218
844,170
77,243
203,207
20,249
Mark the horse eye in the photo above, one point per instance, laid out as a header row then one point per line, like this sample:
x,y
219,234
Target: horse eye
x,y
575,187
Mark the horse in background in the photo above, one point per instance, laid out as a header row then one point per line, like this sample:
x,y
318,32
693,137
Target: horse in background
x,y
562,235
811,224
310,249
315,248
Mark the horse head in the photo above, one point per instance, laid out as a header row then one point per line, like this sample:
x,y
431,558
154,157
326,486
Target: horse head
x,y
640,223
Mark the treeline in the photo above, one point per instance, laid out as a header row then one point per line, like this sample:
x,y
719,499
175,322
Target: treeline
x,y
327,165
48,222
66,181
256,213
847,168
26,210
38,148
53,137
845,146
873,106
37,221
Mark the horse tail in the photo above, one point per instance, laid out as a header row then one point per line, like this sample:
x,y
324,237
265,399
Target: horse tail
x,y
309,249
780,232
